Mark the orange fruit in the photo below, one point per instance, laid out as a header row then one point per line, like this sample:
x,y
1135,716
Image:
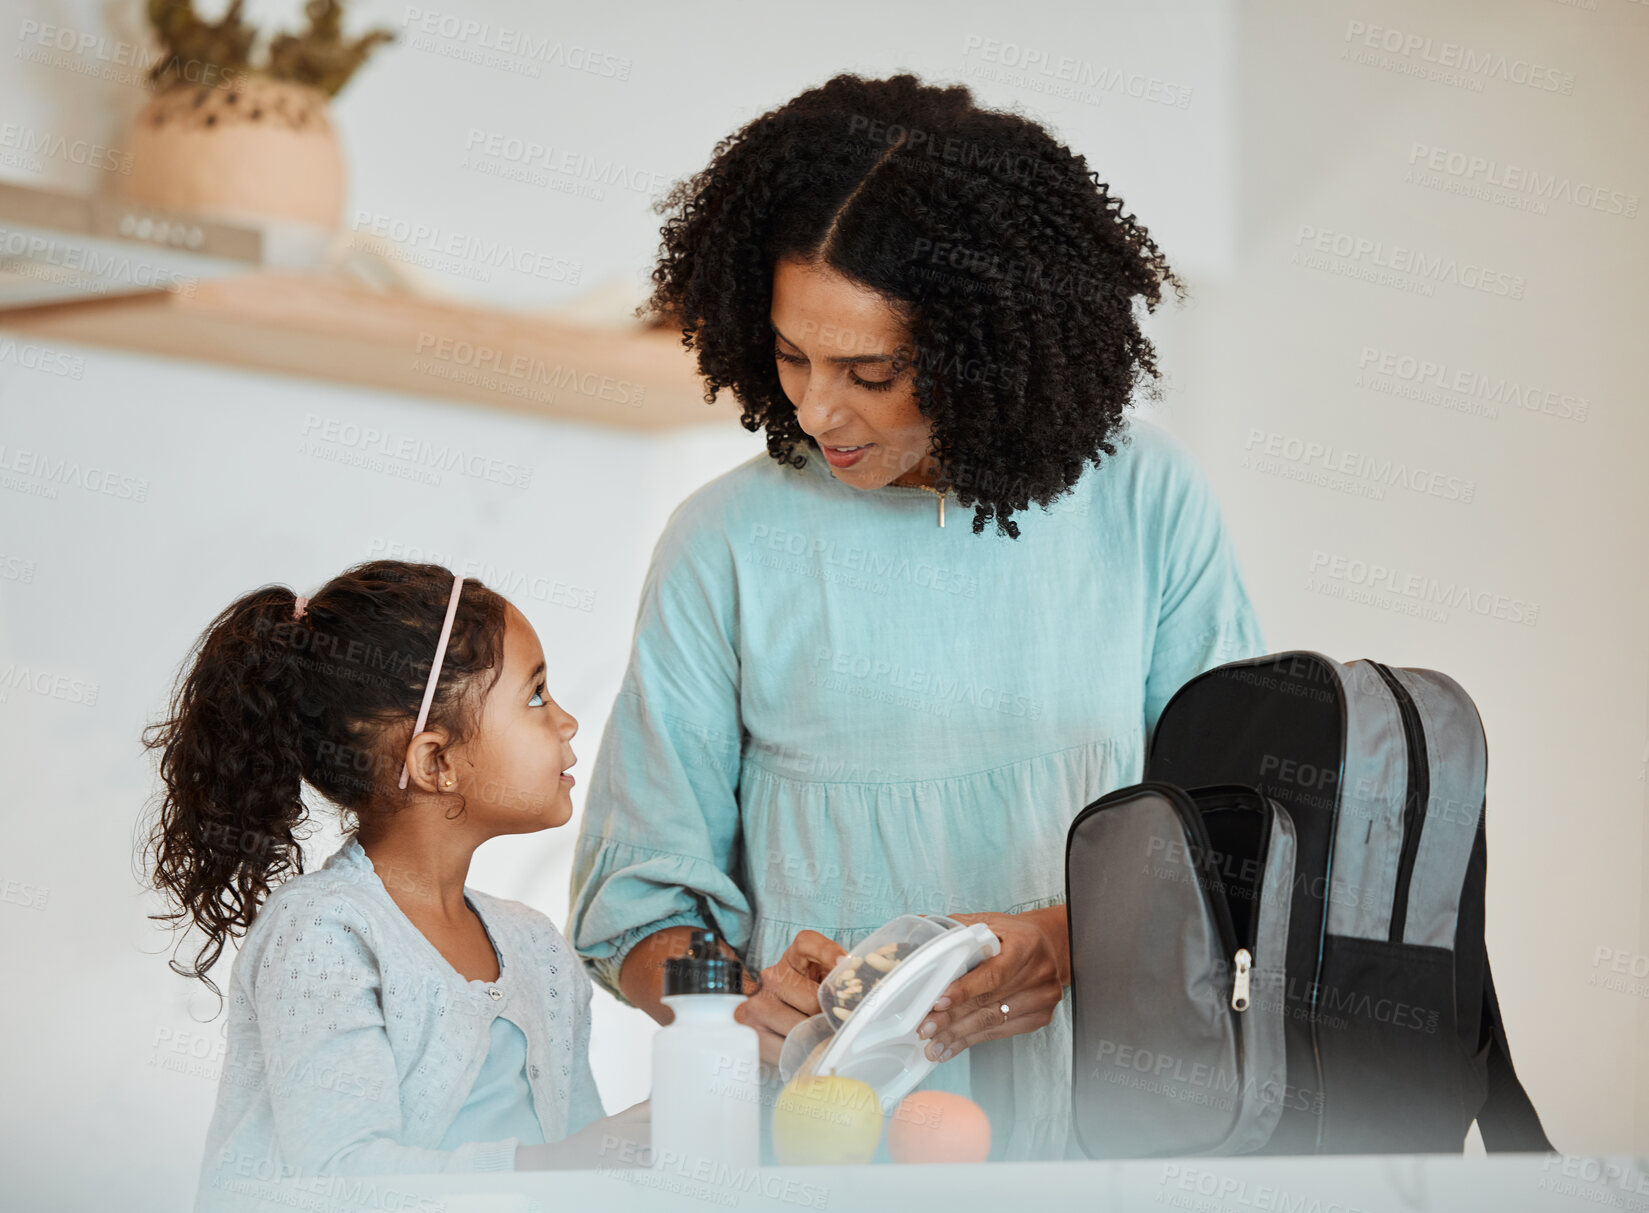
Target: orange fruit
x,y
938,1126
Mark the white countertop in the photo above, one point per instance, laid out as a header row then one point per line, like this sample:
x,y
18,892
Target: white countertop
x,y
1505,1183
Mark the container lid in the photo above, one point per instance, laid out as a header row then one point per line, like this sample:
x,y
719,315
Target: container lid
x,y
703,969
876,1042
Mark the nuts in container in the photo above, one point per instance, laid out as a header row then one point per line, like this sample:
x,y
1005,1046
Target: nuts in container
x,y
873,958
856,976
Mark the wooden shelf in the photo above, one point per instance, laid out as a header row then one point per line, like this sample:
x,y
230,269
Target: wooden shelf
x,y
340,331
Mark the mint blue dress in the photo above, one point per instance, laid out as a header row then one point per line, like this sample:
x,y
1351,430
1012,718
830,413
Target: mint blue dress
x,y
836,711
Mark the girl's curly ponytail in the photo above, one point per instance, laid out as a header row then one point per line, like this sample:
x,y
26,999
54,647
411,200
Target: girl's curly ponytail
x,y
231,757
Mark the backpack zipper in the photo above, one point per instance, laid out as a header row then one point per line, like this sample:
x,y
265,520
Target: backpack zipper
x,y
1239,988
1240,951
1414,806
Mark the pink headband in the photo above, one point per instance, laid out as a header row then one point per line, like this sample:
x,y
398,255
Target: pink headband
x,y
435,669
299,607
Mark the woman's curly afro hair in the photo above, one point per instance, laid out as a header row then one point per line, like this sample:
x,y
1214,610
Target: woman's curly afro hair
x,y
1013,266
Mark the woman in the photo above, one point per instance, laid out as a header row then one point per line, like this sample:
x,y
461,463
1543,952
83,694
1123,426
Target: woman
x,y
843,703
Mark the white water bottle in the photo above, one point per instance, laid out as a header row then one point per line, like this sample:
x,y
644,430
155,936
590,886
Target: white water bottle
x,y
705,1104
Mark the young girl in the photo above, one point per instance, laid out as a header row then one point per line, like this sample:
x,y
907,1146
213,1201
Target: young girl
x,y
383,1016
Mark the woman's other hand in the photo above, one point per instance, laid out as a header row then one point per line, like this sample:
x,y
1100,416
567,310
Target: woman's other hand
x,y
789,992
624,1139
1029,975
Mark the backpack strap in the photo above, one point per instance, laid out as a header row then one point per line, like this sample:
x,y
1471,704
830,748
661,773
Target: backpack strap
x,y
1507,1120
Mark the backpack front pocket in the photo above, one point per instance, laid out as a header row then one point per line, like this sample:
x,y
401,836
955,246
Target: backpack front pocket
x,y
1178,907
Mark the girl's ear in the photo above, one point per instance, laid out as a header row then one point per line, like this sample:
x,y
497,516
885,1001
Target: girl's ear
x,y
428,767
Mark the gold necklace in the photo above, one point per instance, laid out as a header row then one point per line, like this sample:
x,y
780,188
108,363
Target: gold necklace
x,y
925,488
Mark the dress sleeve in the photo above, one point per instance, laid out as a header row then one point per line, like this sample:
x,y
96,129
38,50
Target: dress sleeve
x,y
661,819
326,1058
1204,617
585,1104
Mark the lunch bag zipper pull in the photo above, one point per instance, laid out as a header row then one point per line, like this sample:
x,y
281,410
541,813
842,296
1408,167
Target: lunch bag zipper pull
x,y
1239,988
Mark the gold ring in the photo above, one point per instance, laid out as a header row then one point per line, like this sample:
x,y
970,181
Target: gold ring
x,y
1004,1012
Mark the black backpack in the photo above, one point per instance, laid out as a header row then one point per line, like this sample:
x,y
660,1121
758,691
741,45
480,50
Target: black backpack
x,y
1277,937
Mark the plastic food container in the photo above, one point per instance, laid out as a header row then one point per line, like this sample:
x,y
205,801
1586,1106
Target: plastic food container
x,y
875,998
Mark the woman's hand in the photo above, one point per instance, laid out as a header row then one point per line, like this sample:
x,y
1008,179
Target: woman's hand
x,y
1029,975
790,991
624,1139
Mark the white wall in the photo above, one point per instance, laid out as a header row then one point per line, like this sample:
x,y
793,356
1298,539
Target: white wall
x,y
1280,130
1559,512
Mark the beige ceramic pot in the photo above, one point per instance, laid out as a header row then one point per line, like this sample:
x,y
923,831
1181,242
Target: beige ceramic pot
x,y
256,149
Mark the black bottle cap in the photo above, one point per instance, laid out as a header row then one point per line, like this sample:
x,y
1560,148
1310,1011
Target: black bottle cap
x,y
703,970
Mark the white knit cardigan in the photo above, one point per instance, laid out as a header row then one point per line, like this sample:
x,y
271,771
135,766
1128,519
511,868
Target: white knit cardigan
x,y
352,1042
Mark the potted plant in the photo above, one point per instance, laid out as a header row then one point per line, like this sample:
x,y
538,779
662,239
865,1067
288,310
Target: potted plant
x,y
226,137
